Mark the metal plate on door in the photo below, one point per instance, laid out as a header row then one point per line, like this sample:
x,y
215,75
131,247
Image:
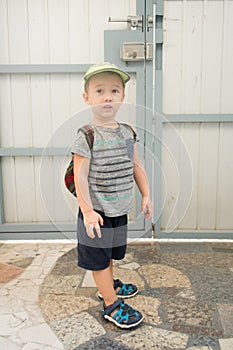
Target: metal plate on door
x,y
133,51
137,51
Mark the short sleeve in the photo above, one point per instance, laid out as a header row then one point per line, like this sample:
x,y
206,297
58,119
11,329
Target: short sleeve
x,y
80,146
130,131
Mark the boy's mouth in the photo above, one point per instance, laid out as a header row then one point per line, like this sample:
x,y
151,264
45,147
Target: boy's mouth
x,y
108,106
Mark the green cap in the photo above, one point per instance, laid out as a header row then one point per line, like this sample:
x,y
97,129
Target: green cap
x,y
106,67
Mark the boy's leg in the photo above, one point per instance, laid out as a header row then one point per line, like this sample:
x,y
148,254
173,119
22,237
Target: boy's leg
x,y
104,282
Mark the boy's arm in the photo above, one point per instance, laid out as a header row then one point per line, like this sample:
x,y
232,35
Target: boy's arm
x,y
91,218
141,180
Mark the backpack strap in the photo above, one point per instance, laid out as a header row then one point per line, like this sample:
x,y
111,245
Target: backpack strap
x,y
89,134
132,130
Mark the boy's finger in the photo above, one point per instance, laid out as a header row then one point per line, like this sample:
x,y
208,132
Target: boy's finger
x,y
90,232
98,231
101,220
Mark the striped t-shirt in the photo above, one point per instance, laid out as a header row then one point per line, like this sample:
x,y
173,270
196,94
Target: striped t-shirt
x,y
111,168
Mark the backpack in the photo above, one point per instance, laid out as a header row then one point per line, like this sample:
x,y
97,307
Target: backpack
x,y
89,134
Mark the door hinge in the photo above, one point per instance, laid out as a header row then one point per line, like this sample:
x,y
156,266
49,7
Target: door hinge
x,y
138,51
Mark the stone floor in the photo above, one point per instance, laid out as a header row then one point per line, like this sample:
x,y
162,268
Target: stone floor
x,y
186,296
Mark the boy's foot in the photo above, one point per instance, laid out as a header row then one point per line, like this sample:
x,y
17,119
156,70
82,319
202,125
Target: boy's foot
x,y
122,315
124,291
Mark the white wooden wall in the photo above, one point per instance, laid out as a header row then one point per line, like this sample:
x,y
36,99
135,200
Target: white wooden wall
x,y
198,79
33,106
197,75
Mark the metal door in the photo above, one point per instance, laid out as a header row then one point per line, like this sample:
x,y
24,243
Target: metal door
x,y
40,76
133,50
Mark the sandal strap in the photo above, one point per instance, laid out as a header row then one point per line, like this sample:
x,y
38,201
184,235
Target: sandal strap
x,y
124,288
117,283
109,309
125,314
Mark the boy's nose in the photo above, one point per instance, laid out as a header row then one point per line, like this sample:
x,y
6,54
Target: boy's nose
x,y
107,98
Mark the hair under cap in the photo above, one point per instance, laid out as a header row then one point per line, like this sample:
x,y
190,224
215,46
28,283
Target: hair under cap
x,y
105,67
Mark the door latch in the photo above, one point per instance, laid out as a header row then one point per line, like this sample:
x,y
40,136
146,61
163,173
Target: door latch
x,y
138,51
134,22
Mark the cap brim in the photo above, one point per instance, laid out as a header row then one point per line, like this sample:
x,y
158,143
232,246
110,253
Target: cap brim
x,y
124,76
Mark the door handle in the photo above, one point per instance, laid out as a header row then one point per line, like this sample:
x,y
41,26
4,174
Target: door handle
x,y
134,22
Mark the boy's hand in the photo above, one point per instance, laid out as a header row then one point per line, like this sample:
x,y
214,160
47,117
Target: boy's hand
x,y
146,207
93,220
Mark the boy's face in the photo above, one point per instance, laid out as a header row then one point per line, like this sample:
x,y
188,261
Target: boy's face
x,y
104,93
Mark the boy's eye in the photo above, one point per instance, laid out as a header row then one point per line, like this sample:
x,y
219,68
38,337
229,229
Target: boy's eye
x,y
115,91
99,91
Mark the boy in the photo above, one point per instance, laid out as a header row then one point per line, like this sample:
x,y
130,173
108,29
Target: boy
x,y
103,179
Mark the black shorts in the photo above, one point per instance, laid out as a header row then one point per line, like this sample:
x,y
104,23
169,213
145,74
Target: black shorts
x,y
95,254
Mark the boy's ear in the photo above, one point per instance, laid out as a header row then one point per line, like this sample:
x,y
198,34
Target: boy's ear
x,y
85,97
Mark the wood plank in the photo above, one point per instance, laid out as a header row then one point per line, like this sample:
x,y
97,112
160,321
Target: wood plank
x,y
21,110
211,56
44,193
58,31
41,206
9,190
192,56
225,183
6,133
227,67
22,137
18,31
208,176
8,164
188,165
60,137
4,43
77,103
98,22
40,109
38,32
132,7
79,35
25,189
170,177
118,9
172,57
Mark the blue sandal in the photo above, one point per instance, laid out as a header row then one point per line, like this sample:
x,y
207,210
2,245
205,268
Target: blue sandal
x,y
124,317
127,290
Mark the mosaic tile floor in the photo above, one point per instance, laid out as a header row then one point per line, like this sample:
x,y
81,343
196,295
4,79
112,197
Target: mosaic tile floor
x,y
186,296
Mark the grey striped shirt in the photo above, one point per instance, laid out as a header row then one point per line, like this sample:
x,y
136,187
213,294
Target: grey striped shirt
x,y
111,168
